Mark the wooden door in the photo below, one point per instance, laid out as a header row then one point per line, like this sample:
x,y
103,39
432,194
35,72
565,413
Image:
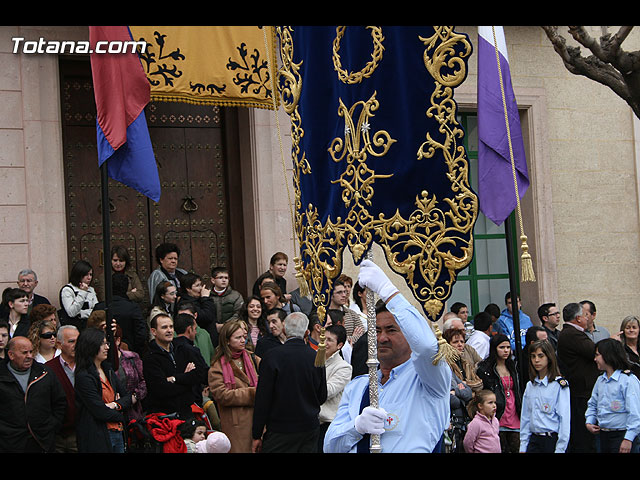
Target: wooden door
x,y
192,212
196,164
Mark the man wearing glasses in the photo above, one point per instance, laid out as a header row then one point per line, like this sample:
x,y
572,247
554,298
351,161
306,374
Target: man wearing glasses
x,y
549,316
28,281
340,301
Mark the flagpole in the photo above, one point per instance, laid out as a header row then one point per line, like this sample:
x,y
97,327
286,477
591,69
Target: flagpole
x,y
106,247
513,289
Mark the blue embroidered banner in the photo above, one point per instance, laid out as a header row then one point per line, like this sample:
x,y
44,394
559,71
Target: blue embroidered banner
x,y
378,153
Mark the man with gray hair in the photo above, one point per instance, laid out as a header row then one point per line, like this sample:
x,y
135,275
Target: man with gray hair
x,y
289,394
576,354
28,281
296,325
64,367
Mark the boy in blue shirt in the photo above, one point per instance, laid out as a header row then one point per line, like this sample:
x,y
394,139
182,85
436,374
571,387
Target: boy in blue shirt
x,y
504,324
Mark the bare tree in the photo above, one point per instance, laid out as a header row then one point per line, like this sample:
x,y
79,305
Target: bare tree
x,y
607,64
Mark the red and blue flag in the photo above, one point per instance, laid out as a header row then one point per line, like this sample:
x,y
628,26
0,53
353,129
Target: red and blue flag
x,y
121,92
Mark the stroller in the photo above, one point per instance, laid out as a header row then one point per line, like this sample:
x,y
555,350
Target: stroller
x,y
456,434
155,433
159,433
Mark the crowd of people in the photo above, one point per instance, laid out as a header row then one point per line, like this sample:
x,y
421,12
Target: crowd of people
x,y
176,369
180,366
569,389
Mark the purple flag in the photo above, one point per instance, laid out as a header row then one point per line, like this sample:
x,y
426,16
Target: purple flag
x,y
496,190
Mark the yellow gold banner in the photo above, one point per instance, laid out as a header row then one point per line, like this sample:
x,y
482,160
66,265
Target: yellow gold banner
x,y
221,65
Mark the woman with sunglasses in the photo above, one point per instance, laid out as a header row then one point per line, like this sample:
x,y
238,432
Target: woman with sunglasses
x,y
43,337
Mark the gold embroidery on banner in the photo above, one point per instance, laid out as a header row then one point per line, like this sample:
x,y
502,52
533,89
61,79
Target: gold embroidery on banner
x,y
440,52
433,229
431,226
376,56
357,179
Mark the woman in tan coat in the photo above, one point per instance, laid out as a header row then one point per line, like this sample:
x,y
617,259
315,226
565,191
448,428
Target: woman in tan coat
x,y
233,378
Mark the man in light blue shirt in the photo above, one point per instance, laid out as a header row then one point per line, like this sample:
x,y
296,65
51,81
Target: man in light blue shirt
x,y
505,326
413,393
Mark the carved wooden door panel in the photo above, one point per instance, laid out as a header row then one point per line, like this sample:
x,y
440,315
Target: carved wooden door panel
x,y
128,209
193,211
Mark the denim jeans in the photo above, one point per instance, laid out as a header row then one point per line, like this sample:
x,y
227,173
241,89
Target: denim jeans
x,y
117,441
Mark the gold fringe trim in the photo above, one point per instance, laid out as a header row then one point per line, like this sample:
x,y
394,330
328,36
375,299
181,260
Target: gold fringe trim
x,y
445,350
182,98
321,354
302,281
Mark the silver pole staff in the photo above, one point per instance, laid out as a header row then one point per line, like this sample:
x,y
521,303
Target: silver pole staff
x,y
372,360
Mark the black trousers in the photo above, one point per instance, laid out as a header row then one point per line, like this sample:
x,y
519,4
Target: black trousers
x,y
609,441
542,443
302,442
580,440
509,441
321,434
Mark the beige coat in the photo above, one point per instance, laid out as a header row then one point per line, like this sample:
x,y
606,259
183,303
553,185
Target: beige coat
x,y
338,373
234,406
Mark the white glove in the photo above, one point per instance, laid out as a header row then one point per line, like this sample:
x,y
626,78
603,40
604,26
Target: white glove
x,y
371,421
372,277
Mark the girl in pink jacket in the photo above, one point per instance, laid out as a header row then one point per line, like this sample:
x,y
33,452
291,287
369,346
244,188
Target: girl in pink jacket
x,y
482,432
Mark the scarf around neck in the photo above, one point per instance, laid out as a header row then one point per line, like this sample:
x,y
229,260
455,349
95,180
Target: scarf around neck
x,y
229,378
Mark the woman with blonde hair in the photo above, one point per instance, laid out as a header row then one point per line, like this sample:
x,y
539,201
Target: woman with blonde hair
x,y
629,335
233,378
42,334
43,319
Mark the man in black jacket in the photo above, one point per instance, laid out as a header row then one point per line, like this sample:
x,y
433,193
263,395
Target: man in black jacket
x,y
576,353
276,336
290,391
169,375
187,352
33,401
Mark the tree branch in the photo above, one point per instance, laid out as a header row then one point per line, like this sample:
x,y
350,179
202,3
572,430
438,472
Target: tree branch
x,y
586,40
609,64
621,36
